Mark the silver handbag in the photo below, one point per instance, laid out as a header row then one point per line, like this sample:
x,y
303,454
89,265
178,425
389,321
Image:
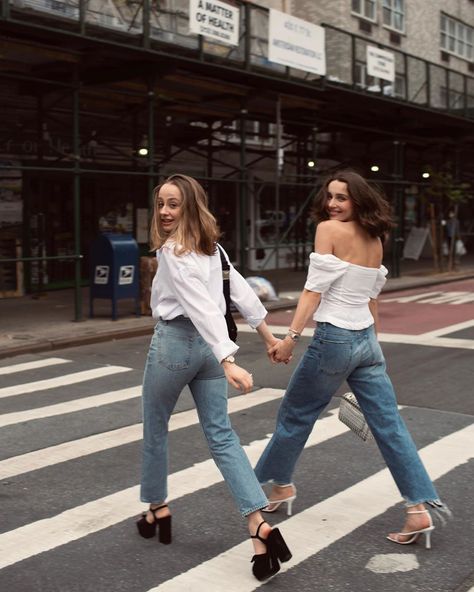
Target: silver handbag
x,y
351,415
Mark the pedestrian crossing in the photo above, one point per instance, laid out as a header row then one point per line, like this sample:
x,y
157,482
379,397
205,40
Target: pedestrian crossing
x,y
34,365
366,499
60,381
37,529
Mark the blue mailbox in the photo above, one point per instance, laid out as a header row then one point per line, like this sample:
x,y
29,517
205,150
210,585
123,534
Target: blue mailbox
x,y
114,270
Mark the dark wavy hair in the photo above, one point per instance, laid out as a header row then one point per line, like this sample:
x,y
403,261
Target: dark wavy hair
x,y
371,208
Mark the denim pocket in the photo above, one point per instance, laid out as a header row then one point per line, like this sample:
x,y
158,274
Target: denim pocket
x,y
173,350
335,356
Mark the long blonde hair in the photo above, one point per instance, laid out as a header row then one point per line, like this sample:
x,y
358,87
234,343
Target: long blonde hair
x,y
197,229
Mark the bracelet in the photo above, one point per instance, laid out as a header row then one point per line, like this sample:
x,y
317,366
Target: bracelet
x,y
290,330
293,335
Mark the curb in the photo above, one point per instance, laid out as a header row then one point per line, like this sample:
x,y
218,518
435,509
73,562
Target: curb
x,y
77,341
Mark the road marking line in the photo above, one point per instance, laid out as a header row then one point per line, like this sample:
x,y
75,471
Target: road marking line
x,y
449,298
439,297
80,521
321,525
450,329
425,339
65,380
407,299
32,365
46,457
447,342
70,406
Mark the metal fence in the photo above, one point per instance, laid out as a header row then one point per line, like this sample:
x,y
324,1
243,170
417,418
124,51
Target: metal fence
x,y
158,25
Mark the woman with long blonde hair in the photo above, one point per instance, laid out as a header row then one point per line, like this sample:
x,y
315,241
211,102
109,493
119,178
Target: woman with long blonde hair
x,y
191,347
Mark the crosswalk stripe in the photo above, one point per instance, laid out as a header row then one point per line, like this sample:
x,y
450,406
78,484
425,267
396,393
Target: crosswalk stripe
x,y
80,521
321,525
450,329
46,457
449,342
70,406
65,380
427,339
32,365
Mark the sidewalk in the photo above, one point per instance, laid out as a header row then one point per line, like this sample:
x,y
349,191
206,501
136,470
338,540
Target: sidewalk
x,y
45,324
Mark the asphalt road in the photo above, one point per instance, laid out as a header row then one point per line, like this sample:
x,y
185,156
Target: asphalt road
x,y
70,462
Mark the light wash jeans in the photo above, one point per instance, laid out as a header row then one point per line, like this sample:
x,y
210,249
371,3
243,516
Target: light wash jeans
x,y
333,356
178,356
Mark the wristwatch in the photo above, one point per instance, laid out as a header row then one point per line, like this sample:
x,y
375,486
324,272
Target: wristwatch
x,y
294,335
229,359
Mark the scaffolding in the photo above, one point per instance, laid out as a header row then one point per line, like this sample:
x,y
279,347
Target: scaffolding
x,y
119,92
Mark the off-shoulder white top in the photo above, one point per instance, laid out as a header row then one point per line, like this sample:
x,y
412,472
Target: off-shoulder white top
x,y
345,288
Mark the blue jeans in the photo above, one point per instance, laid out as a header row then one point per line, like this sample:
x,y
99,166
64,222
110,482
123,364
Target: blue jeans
x,y
333,356
178,356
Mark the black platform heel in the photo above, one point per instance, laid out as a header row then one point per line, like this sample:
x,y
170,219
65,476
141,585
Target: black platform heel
x,y
148,530
266,565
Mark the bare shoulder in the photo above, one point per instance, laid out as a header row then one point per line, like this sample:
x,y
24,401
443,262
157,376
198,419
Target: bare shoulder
x,y
328,232
330,227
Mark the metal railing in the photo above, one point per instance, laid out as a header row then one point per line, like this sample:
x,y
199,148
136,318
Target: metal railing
x,y
160,26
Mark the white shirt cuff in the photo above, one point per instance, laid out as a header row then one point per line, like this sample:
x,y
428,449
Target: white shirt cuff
x,y
223,349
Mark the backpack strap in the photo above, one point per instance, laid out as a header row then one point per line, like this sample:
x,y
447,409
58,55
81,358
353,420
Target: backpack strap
x,y
231,326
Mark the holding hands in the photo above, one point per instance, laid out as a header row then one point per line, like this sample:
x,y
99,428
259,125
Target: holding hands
x,y
282,350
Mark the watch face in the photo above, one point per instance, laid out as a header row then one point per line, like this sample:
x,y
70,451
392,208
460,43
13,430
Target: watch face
x,y
230,359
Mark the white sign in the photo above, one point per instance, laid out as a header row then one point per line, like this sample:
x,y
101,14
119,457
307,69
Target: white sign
x,y
101,274
296,43
214,19
380,63
126,274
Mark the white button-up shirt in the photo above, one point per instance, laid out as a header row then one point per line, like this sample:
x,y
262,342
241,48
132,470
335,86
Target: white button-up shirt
x,y
191,285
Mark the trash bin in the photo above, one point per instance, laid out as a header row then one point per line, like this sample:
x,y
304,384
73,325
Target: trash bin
x,y
114,271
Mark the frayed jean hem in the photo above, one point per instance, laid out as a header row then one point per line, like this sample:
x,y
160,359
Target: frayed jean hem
x,y
437,503
255,509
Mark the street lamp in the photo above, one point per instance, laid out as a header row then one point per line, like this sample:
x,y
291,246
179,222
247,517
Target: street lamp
x,y
143,148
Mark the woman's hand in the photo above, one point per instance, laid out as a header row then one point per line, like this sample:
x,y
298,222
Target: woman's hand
x,y
270,345
282,351
238,377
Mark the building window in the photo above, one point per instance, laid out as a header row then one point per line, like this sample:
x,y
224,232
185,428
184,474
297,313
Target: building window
x,y
394,89
457,38
364,8
394,14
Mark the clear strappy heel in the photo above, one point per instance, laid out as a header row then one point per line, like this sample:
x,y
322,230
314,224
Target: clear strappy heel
x,y
274,505
415,534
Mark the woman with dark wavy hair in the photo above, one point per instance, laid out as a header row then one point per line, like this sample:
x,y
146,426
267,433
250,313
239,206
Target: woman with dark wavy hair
x,y
345,276
191,347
